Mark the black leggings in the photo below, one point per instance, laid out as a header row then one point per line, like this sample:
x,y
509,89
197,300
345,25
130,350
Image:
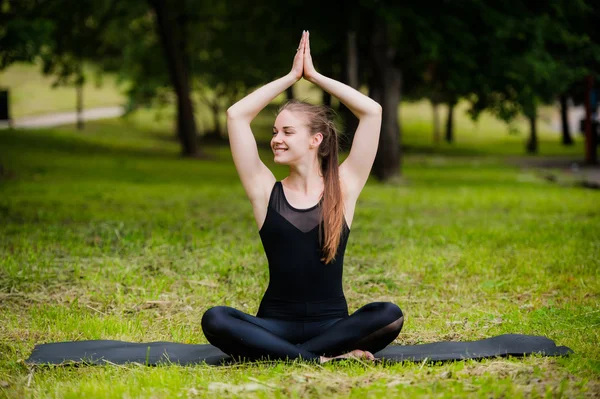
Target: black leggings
x,y
370,328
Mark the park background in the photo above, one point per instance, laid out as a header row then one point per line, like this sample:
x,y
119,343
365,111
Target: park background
x,y
130,227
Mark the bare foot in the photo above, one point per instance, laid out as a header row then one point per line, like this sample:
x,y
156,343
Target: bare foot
x,y
355,354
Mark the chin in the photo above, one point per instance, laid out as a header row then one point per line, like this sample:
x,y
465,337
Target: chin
x,y
280,161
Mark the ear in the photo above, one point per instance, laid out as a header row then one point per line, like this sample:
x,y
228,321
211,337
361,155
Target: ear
x,y
316,139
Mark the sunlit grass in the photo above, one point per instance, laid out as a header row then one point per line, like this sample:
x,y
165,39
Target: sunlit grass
x,y
32,93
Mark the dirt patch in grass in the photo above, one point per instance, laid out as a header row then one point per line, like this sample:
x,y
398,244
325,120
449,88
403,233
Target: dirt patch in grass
x,y
563,171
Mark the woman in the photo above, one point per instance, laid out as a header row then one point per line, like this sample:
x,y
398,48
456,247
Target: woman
x,y
304,222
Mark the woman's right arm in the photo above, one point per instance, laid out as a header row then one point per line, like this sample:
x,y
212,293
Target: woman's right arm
x,y
256,178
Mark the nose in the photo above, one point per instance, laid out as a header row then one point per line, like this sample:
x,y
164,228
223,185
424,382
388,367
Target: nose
x,y
276,138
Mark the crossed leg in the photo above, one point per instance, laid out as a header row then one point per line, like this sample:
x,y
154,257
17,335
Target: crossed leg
x,y
241,335
370,328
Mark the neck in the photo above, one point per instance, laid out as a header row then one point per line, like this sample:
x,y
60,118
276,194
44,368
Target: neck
x,y
306,178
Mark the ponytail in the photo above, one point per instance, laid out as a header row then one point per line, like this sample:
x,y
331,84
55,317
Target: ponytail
x,y
333,204
320,120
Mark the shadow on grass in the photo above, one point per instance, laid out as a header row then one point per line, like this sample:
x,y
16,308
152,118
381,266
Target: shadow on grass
x,y
148,143
450,152
23,141
17,142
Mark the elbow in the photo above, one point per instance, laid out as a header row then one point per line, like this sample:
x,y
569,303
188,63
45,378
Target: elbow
x,y
231,114
234,114
374,109
377,109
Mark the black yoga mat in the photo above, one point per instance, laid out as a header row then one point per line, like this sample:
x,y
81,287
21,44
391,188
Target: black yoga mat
x,y
153,353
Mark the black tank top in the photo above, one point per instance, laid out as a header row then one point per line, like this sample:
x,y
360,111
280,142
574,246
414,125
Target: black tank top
x,y
301,286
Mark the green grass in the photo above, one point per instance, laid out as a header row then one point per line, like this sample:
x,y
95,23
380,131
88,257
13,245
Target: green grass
x,y
107,234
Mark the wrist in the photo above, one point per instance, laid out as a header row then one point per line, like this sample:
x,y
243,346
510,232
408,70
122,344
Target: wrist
x,y
292,78
314,78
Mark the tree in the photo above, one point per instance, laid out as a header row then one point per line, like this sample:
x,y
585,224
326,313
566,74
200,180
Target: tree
x,y
419,49
170,25
448,48
567,139
63,42
385,88
535,58
22,32
117,36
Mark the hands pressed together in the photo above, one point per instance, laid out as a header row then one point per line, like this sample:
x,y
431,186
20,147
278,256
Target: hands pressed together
x,y
303,65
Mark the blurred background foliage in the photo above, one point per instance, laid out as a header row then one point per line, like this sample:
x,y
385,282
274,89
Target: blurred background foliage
x,y
505,58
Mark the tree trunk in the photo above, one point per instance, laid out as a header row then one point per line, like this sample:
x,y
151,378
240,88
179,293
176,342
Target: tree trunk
x,y
450,123
591,157
532,143
79,106
215,134
352,60
386,90
289,93
79,79
178,72
326,98
436,123
216,115
352,80
567,139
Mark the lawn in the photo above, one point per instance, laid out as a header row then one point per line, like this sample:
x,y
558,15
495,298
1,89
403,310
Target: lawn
x,y
108,234
31,93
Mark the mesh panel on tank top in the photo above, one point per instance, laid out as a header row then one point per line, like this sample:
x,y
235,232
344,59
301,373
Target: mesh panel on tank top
x,y
303,219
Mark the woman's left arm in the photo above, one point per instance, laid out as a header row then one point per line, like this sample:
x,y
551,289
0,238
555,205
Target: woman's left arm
x,y
355,170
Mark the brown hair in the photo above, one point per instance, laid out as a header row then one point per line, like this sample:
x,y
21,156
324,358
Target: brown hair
x,y
320,120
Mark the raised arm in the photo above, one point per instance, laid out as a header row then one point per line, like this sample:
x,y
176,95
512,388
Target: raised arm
x,y
256,178
355,170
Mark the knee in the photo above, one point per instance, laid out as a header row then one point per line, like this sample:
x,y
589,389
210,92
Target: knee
x,y
391,311
212,320
394,314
